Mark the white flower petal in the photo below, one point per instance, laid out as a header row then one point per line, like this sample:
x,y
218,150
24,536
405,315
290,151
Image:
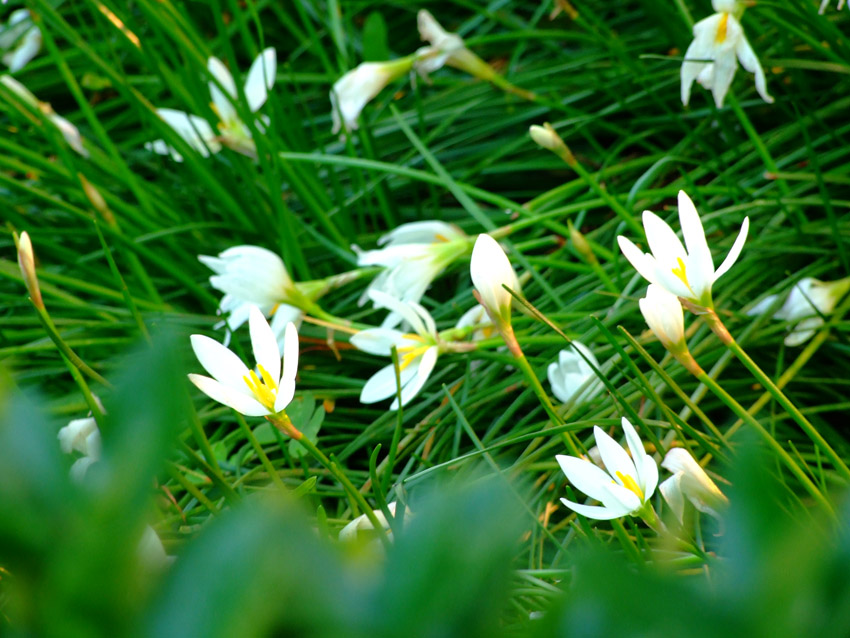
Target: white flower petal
x,y
614,457
261,77
377,341
700,264
290,353
228,396
221,363
223,105
490,268
643,263
264,343
382,384
585,476
423,371
671,490
195,130
735,252
595,511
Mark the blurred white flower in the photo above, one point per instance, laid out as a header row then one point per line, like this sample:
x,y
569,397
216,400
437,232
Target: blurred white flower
x,y
445,48
262,393
417,351
414,255
686,274
825,4
664,316
478,321
362,523
232,131
355,89
490,269
623,487
253,276
690,481
68,130
712,58
81,435
570,376
809,299
20,39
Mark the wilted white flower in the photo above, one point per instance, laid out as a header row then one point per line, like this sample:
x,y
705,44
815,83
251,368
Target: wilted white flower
x,y
825,4
490,269
626,484
446,48
68,130
417,351
414,255
355,89
689,481
570,376
809,299
262,393
232,131
20,39
686,274
253,276
712,58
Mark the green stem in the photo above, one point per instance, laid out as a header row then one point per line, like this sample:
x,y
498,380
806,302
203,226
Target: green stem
x,y
789,462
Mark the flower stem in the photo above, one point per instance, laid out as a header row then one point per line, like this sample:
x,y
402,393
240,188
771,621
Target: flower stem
x,y
720,330
789,462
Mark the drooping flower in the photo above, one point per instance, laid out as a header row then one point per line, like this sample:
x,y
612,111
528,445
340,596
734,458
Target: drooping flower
x,y
251,276
20,39
626,484
355,89
414,255
712,58
825,3
266,391
83,436
417,351
809,299
685,274
570,376
689,481
232,131
490,270
68,130
664,316
446,48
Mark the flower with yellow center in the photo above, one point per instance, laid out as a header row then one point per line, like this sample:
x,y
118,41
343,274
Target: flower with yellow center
x,y
232,131
689,274
263,392
712,58
623,487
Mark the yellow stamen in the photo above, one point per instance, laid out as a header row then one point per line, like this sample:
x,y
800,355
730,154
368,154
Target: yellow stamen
x,y
720,37
682,273
265,391
440,237
411,356
630,484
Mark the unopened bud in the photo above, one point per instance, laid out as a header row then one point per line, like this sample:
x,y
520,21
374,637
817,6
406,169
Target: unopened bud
x,y
26,260
97,200
546,137
581,244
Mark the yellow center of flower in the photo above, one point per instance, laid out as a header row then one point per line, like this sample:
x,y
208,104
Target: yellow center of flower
x,y
682,273
409,354
630,484
720,37
265,389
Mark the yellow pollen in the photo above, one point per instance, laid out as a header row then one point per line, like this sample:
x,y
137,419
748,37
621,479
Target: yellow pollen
x,y
412,354
720,37
440,237
630,484
264,390
682,273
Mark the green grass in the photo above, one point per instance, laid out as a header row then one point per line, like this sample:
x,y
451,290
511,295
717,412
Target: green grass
x,y
456,150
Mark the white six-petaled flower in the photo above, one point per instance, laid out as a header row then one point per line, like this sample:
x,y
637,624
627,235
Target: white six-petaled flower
x,y
809,299
690,481
571,375
690,273
20,39
623,487
414,255
232,131
417,351
253,276
712,58
263,392
490,269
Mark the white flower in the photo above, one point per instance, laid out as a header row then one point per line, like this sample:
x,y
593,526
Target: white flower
x,y
825,4
809,299
264,392
253,276
690,274
476,318
414,255
720,39
490,268
68,130
664,316
446,48
628,483
689,481
417,351
81,435
362,523
232,131
570,376
21,40
355,89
